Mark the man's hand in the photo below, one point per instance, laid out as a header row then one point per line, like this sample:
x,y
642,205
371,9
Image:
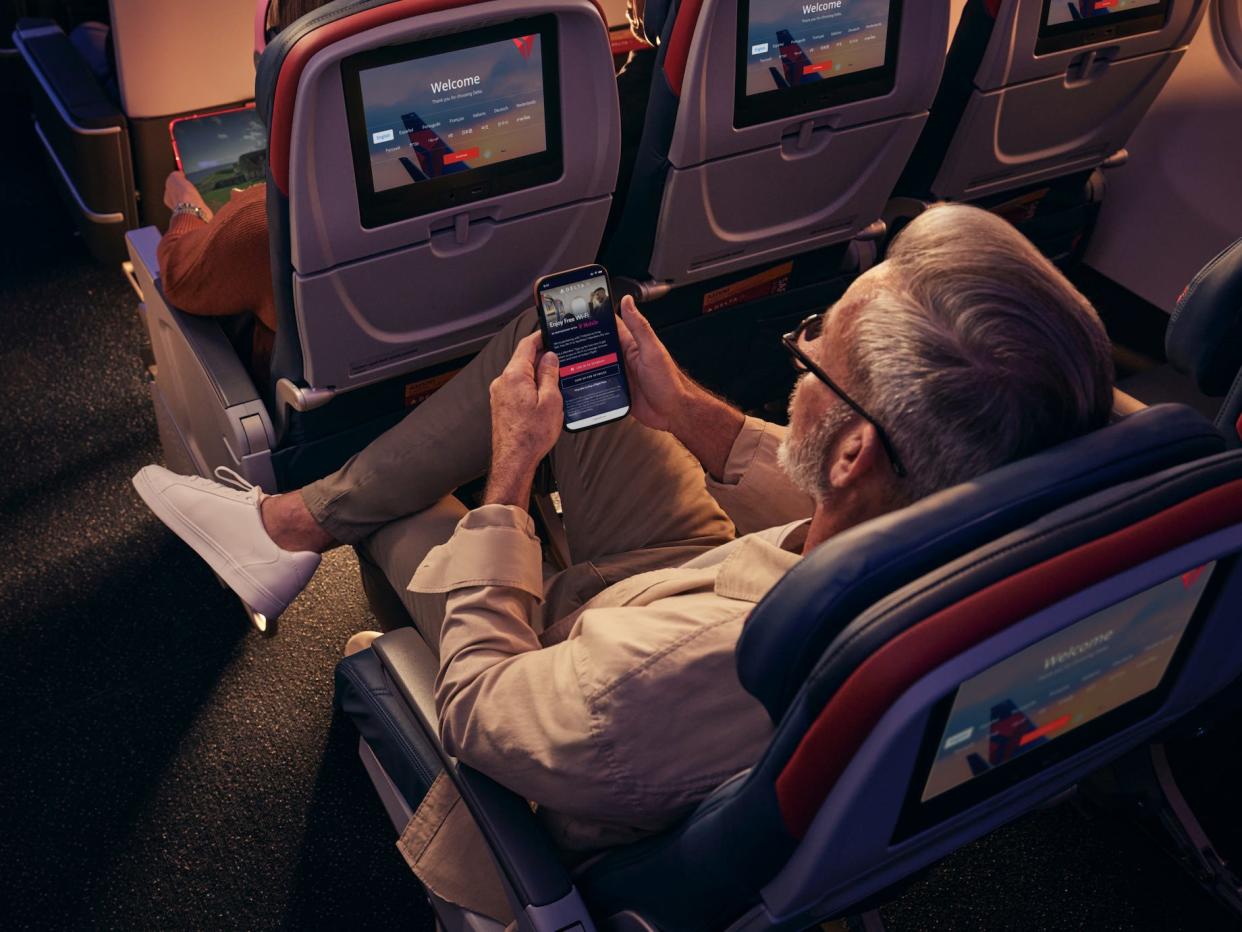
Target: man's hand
x,y
658,389
178,190
527,417
665,398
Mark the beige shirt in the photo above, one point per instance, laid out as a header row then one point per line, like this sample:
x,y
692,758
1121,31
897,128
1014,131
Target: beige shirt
x,y
628,711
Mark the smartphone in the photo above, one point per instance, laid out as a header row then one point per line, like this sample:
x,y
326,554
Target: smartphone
x,y
579,324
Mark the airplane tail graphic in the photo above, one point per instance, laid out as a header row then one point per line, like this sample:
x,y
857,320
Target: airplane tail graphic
x,y
794,62
429,149
1009,725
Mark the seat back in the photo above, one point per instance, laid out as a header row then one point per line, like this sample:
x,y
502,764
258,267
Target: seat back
x,y
858,652
1035,91
1040,658
738,166
367,292
1204,337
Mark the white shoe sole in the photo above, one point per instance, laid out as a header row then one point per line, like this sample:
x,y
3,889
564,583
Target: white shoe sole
x,y
252,592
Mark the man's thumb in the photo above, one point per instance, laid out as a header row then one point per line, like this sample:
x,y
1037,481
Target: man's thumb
x,y
549,371
634,320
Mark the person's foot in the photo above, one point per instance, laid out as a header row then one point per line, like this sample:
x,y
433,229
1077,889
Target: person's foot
x,y
361,641
223,526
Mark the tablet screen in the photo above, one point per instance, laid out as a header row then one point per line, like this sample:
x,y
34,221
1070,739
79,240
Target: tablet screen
x,y
801,56
452,120
221,151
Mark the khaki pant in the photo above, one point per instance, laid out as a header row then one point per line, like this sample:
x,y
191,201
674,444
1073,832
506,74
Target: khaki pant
x,y
634,499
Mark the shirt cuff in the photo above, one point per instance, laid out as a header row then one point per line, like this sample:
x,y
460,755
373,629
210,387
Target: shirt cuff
x,y
492,546
746,447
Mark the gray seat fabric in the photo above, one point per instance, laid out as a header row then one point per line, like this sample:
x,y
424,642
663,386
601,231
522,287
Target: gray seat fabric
x,y
1007,117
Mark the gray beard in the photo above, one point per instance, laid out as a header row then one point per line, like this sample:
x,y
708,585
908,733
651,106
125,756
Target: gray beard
x,y
805,458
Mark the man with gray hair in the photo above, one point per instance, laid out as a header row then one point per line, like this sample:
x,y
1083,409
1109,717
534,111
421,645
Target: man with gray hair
x,y
964,350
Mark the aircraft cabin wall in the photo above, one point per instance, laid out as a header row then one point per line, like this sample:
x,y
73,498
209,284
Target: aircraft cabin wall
x,y
955,16
1176,203
155,74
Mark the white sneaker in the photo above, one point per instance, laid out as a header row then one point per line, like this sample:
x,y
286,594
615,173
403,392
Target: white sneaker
x,y
223,526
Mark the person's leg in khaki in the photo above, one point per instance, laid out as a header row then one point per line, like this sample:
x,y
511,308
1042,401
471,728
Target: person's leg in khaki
x,y
634,500
441,444
266,548
628,489
388,559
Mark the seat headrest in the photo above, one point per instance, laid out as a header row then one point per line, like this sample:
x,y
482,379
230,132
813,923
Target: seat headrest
x,y
655,14
791,627
1204,336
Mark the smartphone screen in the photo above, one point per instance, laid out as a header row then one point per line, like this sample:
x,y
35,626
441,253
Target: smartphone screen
x,y
580,326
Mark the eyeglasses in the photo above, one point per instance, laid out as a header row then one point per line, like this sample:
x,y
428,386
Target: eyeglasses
x,y
809,329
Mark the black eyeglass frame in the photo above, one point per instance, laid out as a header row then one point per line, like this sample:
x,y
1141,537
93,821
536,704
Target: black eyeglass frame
x,y
791,343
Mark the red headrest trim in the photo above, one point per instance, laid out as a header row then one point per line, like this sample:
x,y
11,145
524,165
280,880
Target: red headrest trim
x,y
315,41
1238,427
854,709
679,43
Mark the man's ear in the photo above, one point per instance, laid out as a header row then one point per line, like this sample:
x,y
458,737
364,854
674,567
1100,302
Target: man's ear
x,y
855,454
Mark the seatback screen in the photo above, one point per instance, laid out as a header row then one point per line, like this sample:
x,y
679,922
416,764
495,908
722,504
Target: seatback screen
x,y
1069,11
453,120
1034,698
455,111
795,56
792,44
1070,24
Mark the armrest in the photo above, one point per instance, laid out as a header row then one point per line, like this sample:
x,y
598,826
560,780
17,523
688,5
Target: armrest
x,y
413,667
143,246
527,860
203,336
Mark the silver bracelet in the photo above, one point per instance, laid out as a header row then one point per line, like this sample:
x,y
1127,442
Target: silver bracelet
x,y
185,207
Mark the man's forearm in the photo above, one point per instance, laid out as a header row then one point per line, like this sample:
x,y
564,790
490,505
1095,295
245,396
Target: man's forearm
x,y
509,482
707,426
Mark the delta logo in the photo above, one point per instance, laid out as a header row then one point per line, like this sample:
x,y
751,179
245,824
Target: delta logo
x,y
525,45
1188,579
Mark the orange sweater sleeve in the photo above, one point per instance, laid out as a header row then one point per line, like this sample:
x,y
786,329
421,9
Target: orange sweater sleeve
x,y
223,266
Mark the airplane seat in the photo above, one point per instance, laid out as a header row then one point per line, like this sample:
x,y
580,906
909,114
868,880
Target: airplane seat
x,y
1204,337
384,283
745,212
1036,99
106,136
931,675
84,135
727,180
